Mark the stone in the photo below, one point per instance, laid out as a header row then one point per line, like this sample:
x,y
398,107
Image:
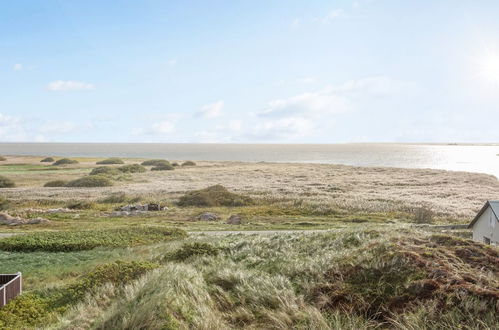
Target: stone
x,y
234,220
208,216
7,219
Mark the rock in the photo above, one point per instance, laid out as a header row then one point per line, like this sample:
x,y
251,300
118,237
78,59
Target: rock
x,y
153,207
140,207
165,208
7,219
208,216
234,220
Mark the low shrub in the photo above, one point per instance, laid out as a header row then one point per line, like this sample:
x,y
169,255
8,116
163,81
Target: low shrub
x,y
155,162
423,215
87,240
6,182
119,198
65,161
163,167
90,182
23,312
216,195
175,164
104,170
80,205
2,158
56,183
189,163
110,161
4,203
132,168
193,249
47,160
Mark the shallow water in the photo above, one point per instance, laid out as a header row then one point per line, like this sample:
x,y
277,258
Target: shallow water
x,y
470,158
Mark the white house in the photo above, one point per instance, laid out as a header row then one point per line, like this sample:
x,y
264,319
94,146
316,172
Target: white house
x,y
486,224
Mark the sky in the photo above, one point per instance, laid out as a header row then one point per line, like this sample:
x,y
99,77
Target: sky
x,y
274,71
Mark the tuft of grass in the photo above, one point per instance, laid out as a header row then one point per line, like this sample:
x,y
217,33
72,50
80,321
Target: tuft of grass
x,y
155,162
47,160
104,170
56,183
6,182
132,168
2,159
4,203
110,161
119,198
212,196
65,161
188,163
163,167
193,249
87,240
90,181
423,214
81,205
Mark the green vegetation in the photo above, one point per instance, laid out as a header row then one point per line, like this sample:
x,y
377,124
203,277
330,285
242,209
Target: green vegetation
x,y
110,161
56,183
189,163
4,203
81,205
87,240
119,198
216,195
175,164
193,249
155,162
47,160
2,159
163,167
65,161
104,170
90,181
132,168
6,182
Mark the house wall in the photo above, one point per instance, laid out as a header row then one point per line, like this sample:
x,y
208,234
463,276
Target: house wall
x,y
486,226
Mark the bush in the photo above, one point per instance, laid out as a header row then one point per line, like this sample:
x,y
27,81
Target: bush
x,y
47,160
65,161
104,170
4,203
119,198
216,195
423,215
56,183
194,249
175,164
2,159
188,163
155,162
110,161
163,167
66,241
132,168
6,182
90,181
80,205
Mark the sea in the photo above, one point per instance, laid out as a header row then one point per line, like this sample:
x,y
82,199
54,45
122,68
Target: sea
x,y
455,157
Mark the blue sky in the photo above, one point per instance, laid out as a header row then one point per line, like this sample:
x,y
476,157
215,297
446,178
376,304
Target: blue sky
x,y
249,71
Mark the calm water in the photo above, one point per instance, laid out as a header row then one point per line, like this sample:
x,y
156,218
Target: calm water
x,y
471,158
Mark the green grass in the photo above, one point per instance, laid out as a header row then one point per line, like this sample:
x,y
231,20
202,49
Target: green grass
x,y
110,161
90,181
87,240
65,161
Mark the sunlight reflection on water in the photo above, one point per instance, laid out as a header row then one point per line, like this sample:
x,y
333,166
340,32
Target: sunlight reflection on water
x,y
470,158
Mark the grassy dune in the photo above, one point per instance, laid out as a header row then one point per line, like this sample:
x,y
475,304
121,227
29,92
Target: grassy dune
x,y
370,267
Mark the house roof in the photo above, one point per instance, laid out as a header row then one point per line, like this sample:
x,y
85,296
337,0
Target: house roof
x,y
494,205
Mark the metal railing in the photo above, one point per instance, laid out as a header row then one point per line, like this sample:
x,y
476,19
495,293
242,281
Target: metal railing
x,y
11,285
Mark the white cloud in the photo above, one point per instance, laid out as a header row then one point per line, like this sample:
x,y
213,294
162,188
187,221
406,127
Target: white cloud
x,y
211,110
17,67
332,15
172,62
59,127
322,102
163,127
69,85
284,128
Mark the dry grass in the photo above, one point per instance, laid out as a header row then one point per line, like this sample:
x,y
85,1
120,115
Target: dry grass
x,y
449,194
